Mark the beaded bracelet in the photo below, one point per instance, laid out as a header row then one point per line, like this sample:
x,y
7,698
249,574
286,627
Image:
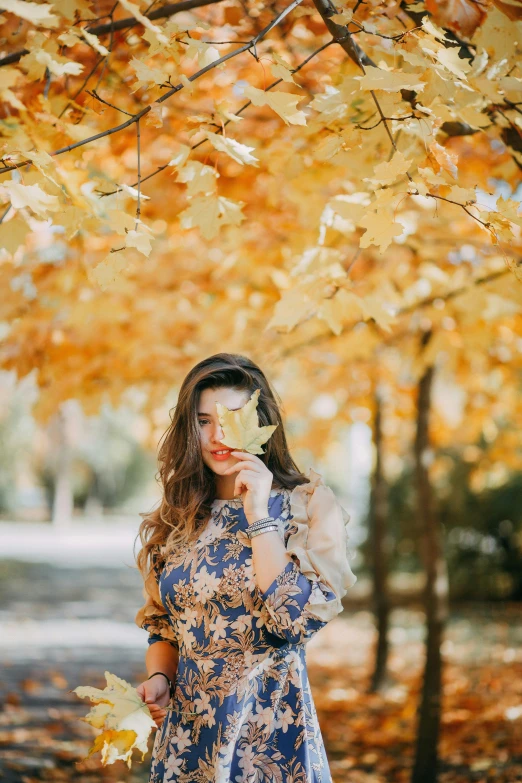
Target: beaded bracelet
x,y
266,529
261,522
264,525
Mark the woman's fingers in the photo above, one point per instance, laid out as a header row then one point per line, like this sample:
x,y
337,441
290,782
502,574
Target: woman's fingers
x,y
157,713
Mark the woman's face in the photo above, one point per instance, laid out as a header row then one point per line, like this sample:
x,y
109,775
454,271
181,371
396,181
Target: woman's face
x,y
210,429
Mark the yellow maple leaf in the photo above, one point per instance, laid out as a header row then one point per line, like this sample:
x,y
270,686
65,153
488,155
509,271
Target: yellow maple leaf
x,y
109,272
241,427
140,240
13,234
238,152
388,172
205,53
281,69
95,42
381,229
36,13
122,715
156,31
210,212
146,76
31,196
379,79
181,157
36,62
446,158
198,177
283,103
155,116
223,109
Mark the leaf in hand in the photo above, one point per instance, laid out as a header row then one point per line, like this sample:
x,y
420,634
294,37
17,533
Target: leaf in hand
x,y
122,715
241,427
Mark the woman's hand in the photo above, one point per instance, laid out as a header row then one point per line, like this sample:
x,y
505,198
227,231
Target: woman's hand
x,y
255,476
155,692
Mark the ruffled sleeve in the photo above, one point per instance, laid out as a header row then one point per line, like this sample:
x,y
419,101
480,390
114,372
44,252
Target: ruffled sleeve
x,y
152,616
319,540
307,593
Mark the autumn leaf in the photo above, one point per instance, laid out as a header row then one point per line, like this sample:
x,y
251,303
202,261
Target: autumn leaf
x,y
446,159
432,29
241,427
238,152
139,239
181,156
13,233
36,13
198,177
283,103
388,172
379,79
381,229
146,76
205,52
134,193
223,110
209,213
258,225
109,272
156,31
281,69
155,116
31,196
461,16
95,42
35,63
123,717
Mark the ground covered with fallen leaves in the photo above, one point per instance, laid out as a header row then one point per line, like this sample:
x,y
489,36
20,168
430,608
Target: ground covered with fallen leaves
x,y
369,738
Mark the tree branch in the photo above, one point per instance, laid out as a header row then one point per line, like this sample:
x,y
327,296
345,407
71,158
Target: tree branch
x,y
325,336
227,122
124,24
169,93
341,34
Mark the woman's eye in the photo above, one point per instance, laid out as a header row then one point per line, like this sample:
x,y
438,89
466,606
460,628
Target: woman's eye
x,y
203,421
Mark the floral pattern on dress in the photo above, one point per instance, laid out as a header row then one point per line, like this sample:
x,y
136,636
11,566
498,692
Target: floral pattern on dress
x,y
242,710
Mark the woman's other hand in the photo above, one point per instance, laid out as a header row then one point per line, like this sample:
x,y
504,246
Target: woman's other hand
x,y
156,694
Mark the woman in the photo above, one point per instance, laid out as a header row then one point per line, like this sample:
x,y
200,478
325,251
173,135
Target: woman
x,y
249,560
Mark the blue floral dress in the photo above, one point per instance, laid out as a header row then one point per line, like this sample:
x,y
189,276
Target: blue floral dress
x,y
242,710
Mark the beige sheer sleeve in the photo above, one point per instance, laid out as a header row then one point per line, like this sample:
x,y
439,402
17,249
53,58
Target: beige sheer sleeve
x,y
321,543
152,616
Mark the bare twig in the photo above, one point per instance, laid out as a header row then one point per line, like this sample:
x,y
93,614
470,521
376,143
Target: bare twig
x,y
95,95
111,43
138,146
82,87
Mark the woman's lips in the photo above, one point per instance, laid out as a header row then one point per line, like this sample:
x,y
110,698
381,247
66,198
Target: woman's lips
x,y
221,457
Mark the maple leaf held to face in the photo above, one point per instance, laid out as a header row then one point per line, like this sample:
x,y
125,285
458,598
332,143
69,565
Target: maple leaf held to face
x,y
122,715
241,427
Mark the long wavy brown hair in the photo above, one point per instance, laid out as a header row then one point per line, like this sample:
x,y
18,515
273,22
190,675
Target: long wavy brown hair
x,y
188,483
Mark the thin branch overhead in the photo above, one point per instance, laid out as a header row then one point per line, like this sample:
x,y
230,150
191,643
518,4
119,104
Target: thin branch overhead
x,y
124,24
117,128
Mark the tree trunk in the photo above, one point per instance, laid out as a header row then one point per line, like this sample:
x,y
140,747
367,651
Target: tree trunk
x,y
425,768
63,502
378,509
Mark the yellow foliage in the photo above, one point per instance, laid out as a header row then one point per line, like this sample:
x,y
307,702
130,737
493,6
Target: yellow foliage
x,y
123,717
